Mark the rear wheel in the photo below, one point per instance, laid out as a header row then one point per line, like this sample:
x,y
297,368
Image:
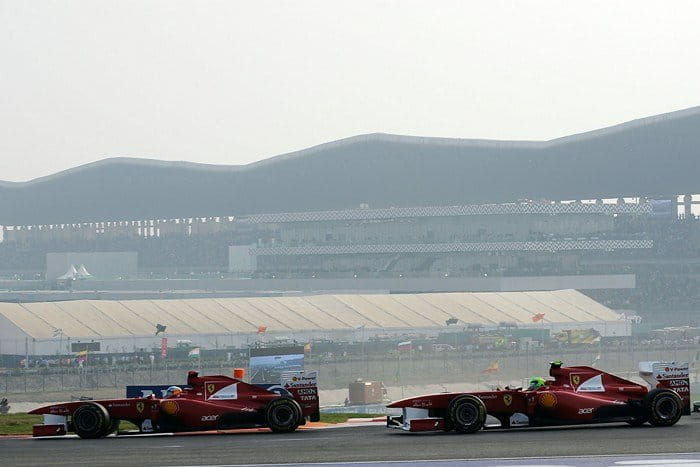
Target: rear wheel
x,y
316,416
91,421
283,415
466,414
663,407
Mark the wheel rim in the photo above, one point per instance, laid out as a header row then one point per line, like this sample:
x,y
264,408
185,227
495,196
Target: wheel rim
x,y
666,408
87,421
466,414
283,415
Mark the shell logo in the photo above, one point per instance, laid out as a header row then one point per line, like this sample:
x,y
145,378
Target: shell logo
x,y
548,400
507,399
169,407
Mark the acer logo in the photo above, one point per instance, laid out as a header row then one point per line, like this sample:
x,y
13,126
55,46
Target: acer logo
x,y
210,418
585,411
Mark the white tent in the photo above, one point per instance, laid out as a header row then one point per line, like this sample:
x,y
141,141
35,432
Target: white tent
x,y
83,273
70,274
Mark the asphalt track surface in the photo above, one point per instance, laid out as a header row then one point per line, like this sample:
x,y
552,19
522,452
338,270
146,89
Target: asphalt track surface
x,y
354,444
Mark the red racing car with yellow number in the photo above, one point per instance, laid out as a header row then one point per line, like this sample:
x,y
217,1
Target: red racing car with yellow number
x,y
206,403
573,395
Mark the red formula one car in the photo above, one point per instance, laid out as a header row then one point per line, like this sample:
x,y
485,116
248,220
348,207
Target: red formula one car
x,y
206,403
575,395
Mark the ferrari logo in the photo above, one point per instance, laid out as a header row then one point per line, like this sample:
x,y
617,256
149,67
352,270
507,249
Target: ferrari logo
x,y
507,399
139,407
210,388
575,380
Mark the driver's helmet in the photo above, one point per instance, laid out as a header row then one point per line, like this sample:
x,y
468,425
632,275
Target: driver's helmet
x,y
173,391
536,383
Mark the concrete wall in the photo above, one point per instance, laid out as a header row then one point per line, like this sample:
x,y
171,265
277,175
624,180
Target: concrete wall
x,y
241,260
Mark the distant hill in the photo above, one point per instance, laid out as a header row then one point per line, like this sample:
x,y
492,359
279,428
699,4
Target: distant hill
x,y
656,156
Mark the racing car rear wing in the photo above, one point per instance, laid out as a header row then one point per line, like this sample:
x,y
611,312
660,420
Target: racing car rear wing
x,y
670,375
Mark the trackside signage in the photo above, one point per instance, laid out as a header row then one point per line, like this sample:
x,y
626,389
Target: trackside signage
x,y
299,379
303,386
671,375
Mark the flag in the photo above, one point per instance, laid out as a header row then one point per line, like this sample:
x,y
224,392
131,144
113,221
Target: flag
x,y
164,347
538,317
262,328
307,347
194,353
493,368
405,346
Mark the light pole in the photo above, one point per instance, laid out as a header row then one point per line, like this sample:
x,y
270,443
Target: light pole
x,y
58,332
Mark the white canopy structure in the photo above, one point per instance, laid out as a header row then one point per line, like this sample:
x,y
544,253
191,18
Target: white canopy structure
x,y
72,273
130,323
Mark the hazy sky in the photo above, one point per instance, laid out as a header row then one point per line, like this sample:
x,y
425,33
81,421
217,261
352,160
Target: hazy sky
x,y
234,82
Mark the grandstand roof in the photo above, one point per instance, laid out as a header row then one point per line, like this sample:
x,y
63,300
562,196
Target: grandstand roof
x,y
108,319
651,157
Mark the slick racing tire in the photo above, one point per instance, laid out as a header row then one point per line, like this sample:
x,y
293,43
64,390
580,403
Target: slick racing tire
x,y
663,407
283,415
91,421
316,416
466,414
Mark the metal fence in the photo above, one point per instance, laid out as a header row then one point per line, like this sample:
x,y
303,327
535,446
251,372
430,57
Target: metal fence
x,y
337,371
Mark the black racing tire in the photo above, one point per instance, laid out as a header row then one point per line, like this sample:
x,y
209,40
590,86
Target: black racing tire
x,y
663,407
316,416
283,415
91,420
466,414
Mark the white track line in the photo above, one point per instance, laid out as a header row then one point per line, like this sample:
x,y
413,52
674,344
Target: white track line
x,y
481,459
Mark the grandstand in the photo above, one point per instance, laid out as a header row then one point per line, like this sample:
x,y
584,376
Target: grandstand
x,y
386,242
126,325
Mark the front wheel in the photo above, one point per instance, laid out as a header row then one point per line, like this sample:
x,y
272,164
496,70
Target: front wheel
x,y
663,407
283,415
466,414
91,421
